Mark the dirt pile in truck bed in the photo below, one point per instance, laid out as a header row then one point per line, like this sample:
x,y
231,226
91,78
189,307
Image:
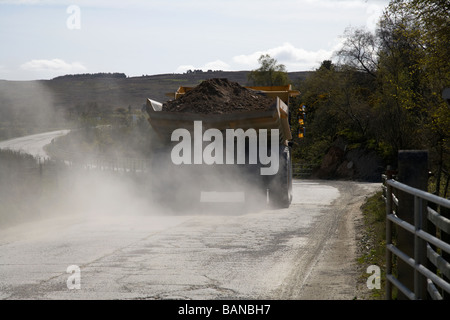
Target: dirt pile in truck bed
x,y
219,96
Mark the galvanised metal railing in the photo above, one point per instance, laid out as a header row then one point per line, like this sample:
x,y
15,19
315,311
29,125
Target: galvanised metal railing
x,y
423,242
93,161
301,170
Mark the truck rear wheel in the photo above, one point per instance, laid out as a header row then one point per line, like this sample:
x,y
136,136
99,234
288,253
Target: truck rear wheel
x,y
280,187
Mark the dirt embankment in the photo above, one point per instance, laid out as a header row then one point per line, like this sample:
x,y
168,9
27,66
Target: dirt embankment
x,y
219,96
341,162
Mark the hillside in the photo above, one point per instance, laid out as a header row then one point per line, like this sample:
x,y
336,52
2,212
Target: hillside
x,y
68,91
34,106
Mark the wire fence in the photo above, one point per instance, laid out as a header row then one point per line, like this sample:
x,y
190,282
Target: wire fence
x,y
100,162
128,164
302,170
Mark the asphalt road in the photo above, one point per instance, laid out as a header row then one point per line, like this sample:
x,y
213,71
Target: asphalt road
x,y
132,250
32,144
304,252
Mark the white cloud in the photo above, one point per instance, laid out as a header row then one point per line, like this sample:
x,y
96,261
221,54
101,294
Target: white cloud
x,y
185,67
213,65
374,12
216,65
54,65
295,59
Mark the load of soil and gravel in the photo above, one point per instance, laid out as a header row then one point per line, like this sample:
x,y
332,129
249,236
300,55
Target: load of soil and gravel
x,y
219,96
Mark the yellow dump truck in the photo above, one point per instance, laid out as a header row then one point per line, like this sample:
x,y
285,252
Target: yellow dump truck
x,y
215,141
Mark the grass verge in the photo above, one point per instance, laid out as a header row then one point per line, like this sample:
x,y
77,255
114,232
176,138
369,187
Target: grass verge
x,y
372,243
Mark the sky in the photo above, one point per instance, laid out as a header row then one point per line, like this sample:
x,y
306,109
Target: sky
x,y
42,39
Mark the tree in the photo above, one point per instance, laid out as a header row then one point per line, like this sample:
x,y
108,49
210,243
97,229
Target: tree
x,y
385,92
270,73
359,51
414,59
339,107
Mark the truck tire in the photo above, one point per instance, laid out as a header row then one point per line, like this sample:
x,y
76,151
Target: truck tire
x,y
280,187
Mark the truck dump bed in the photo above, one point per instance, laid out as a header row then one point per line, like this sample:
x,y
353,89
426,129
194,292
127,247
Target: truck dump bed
x,y
275,117
164,123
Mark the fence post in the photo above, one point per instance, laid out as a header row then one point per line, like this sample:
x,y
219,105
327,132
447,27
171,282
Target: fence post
x,y
40,167
412,171
446,238
388,286
420,248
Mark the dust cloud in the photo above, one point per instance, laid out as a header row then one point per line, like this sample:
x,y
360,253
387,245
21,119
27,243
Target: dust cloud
x,y
34,189
27,107
86,188
83,180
